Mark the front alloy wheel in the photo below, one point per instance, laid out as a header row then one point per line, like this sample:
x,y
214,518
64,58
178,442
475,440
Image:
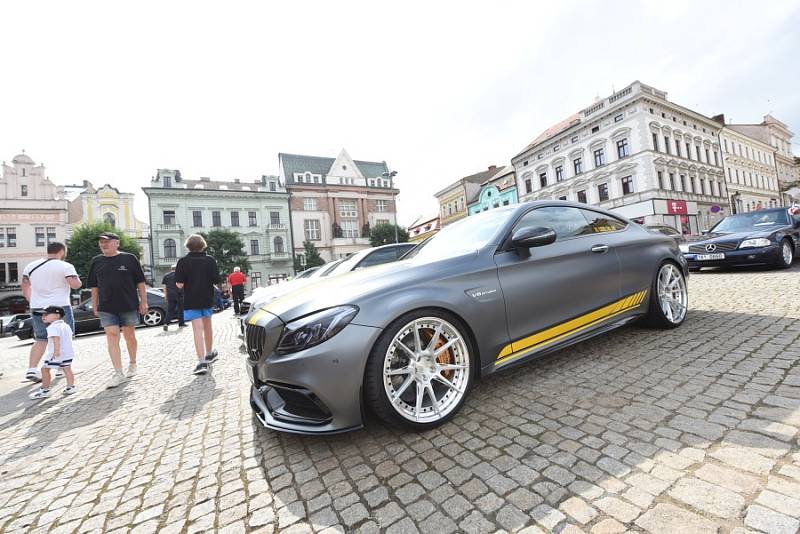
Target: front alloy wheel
x,y
420,371
787,255
153,317
669,298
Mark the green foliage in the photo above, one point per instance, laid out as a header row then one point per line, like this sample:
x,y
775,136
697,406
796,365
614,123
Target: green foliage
x,y
313,259
227,248
82,246
383,234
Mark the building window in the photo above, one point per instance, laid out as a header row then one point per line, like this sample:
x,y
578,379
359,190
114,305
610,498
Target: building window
x,y
24,190
170,249
380,205
627,185
272,187
543,179
11,237
275,218
574,139
688,151
254,249
660,179
40,236
51,234
666,145
234,218
655,142
697,151
347,208
169,217
602,192
167,181
595,129
559,173
708,157
2,237
216,219
13,273
577,164
197,218
703,185
252,218
582,196
311,229
683,182
619,117
349,228
255,280
623,149
678,147
672,181
277,245
109,218
725,144
599,157
310,204
528,185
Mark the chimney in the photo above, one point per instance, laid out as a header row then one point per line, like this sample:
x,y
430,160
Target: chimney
x,y
492,167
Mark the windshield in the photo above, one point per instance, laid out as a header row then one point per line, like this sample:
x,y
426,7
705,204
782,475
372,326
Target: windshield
x,y
467,235
755,220
326,269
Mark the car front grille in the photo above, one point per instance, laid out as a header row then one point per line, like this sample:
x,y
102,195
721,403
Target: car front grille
x,y
721,247
255,336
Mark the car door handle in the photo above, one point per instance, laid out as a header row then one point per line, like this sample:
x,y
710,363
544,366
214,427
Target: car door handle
x,y
600,249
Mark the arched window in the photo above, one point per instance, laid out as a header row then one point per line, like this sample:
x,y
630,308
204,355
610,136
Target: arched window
x,y
170,249
278,245
109,218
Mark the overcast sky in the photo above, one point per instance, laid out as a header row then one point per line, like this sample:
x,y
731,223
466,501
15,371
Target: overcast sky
x,y
110,92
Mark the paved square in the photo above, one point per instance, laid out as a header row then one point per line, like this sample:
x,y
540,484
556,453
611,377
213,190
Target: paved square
x,y
691,430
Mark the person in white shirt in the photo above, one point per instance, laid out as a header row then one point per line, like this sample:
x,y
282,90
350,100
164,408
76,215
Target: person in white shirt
x,y
59,352
47,282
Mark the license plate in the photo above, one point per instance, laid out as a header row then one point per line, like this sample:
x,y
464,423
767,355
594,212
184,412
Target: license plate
x,y
708,257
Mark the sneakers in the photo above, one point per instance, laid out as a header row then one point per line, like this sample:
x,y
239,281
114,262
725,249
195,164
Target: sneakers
x,y
116,380
70,390
34,375
40,393
201,369
131,370
212,356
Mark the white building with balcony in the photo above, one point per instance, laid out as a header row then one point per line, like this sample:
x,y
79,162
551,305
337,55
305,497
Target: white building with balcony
x,y
634,152
258,211
335,202
776,134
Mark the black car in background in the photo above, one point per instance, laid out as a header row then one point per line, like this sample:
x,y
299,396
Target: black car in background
x,y
86,322
763,237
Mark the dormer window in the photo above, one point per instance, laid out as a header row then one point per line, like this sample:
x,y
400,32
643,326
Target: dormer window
x,y
24,170
167,181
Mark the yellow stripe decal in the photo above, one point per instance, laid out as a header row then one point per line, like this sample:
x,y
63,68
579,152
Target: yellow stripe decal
x,y
550,335
256,316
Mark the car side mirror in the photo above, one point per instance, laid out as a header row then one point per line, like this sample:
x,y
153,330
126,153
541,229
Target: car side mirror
x,y
704,232
528,237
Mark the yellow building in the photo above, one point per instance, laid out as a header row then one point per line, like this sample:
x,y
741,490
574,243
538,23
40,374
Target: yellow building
x,y
454,199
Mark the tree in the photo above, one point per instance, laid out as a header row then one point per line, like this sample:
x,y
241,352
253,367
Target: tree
x,y
313,259
82,246
383,234
226,247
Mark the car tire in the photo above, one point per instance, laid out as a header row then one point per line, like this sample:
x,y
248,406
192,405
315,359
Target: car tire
x,y
786,256
413,378
669,298
153,317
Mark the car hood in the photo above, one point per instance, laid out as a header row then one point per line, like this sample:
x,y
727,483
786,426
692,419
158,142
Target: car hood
x,y
263,295
715,237
348,288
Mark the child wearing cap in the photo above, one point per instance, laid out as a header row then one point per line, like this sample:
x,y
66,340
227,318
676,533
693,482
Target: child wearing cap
x,y
59,352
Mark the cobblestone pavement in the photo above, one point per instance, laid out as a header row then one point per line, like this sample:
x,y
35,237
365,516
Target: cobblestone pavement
x,y
692,430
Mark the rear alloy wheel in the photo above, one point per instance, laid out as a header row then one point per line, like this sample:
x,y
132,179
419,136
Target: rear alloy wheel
x,y
153,317
787,255
669,297
420,371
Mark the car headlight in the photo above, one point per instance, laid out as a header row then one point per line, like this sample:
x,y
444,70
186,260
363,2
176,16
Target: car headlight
x,y
760,242
313,329
684,247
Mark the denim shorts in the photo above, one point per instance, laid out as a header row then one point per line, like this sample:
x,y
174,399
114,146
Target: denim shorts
x,y
128,318
40,328
191,315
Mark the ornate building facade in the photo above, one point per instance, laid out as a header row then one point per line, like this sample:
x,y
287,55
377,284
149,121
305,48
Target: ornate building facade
x,y
456,197
499,190
336,201
634,152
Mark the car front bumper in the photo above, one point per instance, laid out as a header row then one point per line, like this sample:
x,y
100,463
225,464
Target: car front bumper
x,y
744,256
314,391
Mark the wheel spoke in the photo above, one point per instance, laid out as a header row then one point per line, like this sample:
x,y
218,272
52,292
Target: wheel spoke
x,y
406,349
420,394
432,395
447,383
436,333
402,371
450,367
402,389
417,340
446,346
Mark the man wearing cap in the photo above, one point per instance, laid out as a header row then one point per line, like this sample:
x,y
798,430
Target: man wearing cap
x,y
47,282
115,278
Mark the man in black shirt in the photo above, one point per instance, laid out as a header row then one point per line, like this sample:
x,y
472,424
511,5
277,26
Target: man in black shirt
x,y
115,278
174,298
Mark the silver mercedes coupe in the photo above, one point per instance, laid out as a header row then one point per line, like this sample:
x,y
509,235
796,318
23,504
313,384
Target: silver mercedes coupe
x,y
407,340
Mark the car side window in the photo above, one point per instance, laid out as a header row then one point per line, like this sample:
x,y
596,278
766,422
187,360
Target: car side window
x,y
565,221
601,223
383,255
